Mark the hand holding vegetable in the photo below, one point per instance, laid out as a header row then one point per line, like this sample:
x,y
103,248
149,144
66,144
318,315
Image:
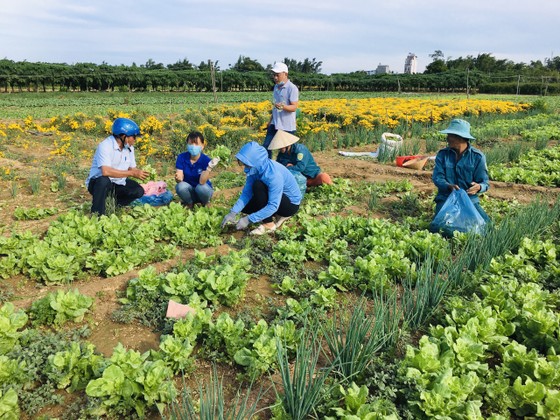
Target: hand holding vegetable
x,y
229,219
213,163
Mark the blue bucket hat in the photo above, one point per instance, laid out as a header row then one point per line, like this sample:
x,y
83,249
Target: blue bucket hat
x,y
460,128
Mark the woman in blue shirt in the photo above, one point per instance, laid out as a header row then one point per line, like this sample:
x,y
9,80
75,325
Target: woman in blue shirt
x,y
270,190
460,166
193,172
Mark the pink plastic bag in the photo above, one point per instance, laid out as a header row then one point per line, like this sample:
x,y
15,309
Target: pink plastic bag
x,y
178,310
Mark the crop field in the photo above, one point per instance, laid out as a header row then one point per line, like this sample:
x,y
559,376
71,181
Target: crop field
x,y
352,310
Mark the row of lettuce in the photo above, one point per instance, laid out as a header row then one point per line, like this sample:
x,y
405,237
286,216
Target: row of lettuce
x,y
495,353
536,167
502,341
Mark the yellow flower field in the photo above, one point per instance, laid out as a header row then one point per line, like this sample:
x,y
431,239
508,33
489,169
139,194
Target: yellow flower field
x,y
247,120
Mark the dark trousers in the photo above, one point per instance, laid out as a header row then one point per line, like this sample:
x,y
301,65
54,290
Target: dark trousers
x,y
260,200
100,188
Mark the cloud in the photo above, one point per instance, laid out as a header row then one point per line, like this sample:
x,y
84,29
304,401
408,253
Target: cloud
x,y
346,36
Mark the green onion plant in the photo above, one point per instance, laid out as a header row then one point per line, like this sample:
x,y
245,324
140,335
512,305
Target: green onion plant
x,y
213,405
354,339
302,380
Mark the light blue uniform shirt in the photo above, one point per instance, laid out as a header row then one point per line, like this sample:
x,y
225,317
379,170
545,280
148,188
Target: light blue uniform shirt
x,y
109,154
287,93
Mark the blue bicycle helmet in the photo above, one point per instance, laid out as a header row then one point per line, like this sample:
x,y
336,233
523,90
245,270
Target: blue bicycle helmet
x,y
125,126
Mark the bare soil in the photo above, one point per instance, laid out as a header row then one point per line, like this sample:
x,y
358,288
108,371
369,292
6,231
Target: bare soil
x,y
107,333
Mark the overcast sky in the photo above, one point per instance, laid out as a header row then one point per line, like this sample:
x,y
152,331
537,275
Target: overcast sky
x,y
346,35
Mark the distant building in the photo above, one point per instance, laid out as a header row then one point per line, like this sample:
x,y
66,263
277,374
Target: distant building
x,y
382,69
410,63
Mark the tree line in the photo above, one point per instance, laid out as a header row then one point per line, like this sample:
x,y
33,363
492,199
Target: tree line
x,y
483,74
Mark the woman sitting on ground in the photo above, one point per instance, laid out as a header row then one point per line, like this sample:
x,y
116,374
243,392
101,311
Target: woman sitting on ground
x,y
193,172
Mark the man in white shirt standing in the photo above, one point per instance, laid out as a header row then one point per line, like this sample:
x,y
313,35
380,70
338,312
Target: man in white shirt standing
x,y
285,98
113,162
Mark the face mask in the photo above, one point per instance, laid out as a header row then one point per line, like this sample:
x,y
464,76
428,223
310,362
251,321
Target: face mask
x,y
280,84
250,171
194,150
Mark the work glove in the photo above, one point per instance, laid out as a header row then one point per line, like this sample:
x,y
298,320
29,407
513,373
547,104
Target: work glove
x,y
230,218
243,223
213,163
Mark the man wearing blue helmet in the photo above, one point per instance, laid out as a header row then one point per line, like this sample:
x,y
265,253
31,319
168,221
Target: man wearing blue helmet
x,y
113,163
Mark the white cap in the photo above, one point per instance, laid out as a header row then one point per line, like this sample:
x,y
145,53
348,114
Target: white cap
x,y
280,68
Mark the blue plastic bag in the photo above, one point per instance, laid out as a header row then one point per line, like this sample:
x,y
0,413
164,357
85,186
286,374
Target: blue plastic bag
x,y
154,200
301,180
458,213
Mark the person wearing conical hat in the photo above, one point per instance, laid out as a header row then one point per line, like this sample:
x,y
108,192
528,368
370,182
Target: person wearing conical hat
x,y
460,166
297,158
285,98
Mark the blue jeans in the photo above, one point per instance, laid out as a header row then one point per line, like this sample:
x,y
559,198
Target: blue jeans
x,y
270,132
189,195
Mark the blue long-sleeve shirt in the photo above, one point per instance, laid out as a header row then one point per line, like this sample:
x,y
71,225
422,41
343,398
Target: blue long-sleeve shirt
x,y
450,171
301,159
275,176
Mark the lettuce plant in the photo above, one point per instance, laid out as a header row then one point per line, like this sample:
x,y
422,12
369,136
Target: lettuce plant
x,y
10,324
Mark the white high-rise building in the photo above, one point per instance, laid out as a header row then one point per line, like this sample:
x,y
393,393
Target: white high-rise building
x,y
410,63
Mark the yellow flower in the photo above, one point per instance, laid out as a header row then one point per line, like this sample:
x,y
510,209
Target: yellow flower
x,y
90,125
151,125
28,121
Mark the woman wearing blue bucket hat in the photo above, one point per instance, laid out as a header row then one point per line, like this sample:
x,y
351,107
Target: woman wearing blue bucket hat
x,y
460,166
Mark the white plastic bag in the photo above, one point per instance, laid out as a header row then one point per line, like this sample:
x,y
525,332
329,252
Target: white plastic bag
x,y
390,147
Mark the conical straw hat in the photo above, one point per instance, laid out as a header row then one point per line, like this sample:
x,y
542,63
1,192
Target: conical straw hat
x,y
282,139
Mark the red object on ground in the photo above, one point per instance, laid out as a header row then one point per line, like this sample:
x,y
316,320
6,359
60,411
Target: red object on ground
x,y
403,159
322,178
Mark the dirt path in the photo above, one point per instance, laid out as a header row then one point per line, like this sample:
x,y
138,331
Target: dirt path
x,y
369,170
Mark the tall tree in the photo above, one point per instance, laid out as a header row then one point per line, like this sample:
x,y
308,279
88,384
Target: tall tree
x,y
438,64
553,63
309,66
152,65
205,66
181,65
245,64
